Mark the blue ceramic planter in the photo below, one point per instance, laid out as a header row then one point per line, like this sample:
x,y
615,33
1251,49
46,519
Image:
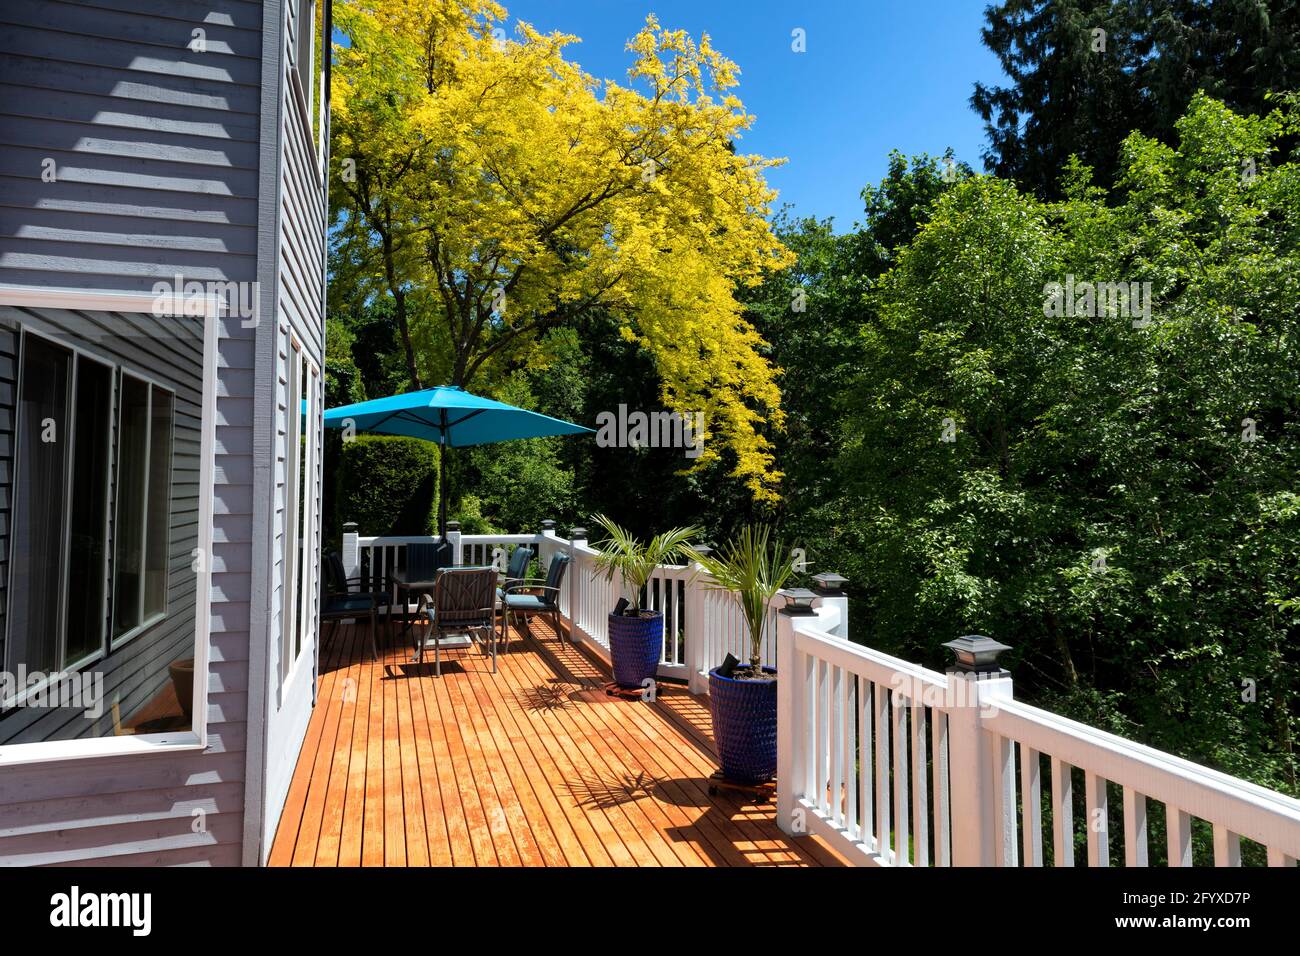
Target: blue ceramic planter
x,y
635,644
744,726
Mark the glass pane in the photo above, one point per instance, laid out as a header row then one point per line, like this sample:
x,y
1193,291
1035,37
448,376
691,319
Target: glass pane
x,y
39,516
87,558
128,528
159,504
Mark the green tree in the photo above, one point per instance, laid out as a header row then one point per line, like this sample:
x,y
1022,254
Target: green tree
x,y
1084,73
1115,499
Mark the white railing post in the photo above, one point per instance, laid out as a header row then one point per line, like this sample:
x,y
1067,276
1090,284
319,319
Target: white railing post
x,y
453,536
548,527
577,536
974,754
351,550
695,633
830,588
790,712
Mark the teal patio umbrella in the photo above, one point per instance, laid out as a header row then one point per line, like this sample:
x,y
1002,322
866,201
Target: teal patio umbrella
x,y
450,416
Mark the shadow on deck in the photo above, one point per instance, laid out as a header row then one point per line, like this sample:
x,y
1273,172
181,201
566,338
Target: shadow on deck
x,y
532,766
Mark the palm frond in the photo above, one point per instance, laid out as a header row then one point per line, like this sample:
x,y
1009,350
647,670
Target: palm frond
x,y
753,569
620,552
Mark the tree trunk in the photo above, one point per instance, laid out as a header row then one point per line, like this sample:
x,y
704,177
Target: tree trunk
x,y
404,328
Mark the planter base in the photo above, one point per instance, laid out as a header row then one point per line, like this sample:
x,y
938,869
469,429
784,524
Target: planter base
x,y
759,792
614,689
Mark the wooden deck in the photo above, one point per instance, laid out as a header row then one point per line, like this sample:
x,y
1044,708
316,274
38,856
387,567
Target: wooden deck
x,y
532,766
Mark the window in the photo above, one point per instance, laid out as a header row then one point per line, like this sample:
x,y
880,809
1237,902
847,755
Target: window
x,y
40,522
141,530
107,490
298,614
58,595
87,593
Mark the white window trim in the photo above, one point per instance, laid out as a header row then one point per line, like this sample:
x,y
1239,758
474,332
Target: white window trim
x,y
196,738
298,610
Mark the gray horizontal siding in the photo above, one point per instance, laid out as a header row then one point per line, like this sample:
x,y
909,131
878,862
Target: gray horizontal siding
x,y
155,144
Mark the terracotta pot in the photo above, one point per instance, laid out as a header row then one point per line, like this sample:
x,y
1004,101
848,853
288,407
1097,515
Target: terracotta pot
x,y
182,672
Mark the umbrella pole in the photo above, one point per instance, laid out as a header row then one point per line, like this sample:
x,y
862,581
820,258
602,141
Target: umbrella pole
x,y
442,480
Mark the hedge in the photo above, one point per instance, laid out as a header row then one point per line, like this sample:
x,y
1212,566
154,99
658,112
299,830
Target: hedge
x,y
387,485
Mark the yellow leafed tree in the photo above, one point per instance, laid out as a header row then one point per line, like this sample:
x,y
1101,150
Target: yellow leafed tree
x,y
495,191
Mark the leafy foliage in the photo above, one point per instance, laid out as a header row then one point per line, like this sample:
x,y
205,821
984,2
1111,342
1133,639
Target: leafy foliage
x,y
1074,91
389,485
493,191
1117,503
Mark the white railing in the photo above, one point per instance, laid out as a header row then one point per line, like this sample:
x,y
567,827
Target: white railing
x,y
373,559
897,765
702,624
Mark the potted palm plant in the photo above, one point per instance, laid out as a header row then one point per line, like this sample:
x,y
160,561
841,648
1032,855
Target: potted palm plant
x,y
636,635
752,569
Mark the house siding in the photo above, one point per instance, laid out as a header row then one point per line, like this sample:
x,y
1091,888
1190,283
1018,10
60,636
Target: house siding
x,y
157,150
300,302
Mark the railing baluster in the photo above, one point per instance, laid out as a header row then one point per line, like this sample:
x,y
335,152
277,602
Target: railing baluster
x,y
823,725
837,745
1179,827
1004,804
1031,804
809,735
1227,847
857,770
942,823
881,694
920,796
1094,794
1062,814
1135,828
898,715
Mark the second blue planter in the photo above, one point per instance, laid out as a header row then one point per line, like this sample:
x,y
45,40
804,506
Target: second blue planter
x,y
635,645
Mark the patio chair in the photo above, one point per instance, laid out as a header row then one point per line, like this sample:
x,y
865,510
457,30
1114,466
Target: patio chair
x,y
529,598
463,601
422,562
516,570
339,603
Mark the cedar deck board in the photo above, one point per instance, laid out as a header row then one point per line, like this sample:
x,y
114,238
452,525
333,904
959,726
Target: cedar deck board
x,y
534,765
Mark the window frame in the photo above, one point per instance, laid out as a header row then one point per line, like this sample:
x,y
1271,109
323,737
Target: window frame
x,y
77,355
196,737
298,605
145,622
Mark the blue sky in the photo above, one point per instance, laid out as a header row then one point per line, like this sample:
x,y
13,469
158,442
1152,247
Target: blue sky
x,y
876,76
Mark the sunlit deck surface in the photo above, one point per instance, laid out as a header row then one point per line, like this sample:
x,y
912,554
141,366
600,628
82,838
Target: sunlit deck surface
x,y
532,766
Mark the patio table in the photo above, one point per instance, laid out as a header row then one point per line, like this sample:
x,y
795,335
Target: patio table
x,y
406,584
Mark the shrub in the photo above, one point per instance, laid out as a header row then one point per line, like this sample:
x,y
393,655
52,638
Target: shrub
x,y
388,485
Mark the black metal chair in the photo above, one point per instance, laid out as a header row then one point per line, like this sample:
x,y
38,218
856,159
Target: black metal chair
x,y
339,602
463,601
422,562
529,598
516,570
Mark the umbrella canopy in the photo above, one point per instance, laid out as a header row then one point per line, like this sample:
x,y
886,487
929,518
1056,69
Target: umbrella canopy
x,y
450,416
